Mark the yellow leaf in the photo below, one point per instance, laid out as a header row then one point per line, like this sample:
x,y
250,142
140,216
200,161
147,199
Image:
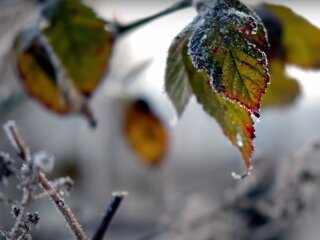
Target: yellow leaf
x,y
38,77
282,90
301,39
145,133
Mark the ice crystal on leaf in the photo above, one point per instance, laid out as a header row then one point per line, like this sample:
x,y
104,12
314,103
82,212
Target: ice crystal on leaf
x,y
226,46
219,57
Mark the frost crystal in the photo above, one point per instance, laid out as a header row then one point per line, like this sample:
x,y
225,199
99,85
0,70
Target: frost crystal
x,y
44,161
226,45
239,140
63,185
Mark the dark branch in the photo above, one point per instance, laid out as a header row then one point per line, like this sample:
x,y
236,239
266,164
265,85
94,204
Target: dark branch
x,y
112,209
122,29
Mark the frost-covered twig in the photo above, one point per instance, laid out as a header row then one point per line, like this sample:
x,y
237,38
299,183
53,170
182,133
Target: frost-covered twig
x,y
16,140
24,154
63,208
61,186
117,198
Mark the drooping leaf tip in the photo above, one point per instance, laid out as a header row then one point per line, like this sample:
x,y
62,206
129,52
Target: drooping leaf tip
x,y
236,176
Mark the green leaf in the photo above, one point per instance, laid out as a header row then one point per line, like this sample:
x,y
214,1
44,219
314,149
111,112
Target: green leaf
x,y
301,39
282,90
81,42
176,81
234,120
225,46
62,65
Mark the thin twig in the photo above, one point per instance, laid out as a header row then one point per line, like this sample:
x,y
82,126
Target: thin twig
x,y
18,143
62,207
122,29
112,209
16,140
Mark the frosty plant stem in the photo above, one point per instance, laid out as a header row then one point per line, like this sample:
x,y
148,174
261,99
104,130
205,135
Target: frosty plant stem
x,y
117,198
24,153
122,29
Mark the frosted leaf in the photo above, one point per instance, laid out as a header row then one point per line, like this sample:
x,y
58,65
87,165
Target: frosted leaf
x,y
226,45
44,161
232,118
219,57
176,79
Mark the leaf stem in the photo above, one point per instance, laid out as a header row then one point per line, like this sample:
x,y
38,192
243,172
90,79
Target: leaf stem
x,y
112,209
122,29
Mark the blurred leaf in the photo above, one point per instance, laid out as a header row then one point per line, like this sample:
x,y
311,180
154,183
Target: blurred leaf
x,y
145,133
282,90
225,46
39,76
274,29
62,65
301,39
81,42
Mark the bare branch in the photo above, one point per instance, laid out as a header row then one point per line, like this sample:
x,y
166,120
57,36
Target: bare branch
x,y
122,29
112,209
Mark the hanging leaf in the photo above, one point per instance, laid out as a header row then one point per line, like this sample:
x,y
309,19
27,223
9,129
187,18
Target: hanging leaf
x,y
225,46
39,76
301,39
282,90
219,58
145,133
234,120
61,66
81,42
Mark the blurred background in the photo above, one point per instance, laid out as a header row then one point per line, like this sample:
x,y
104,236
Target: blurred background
x,y
194,177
